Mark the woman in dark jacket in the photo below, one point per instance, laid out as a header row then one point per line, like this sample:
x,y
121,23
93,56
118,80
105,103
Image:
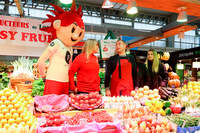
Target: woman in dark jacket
x,y
120,74
156,71
142,75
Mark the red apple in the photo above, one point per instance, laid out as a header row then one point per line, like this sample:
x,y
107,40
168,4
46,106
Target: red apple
x,y
81,101
86,101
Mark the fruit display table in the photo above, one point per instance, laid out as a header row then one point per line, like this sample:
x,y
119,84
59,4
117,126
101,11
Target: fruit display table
x,y
144,111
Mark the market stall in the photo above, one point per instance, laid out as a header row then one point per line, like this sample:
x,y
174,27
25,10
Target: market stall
x,y
143,111
25,108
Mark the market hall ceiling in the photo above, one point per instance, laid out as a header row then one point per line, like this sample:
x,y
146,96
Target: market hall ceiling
x,y
158,12
93,7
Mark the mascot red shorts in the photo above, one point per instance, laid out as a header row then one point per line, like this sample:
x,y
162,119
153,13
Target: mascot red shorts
x,y
56,87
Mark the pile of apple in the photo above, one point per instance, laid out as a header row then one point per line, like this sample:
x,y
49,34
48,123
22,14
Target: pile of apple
x,y
14,113
145,94
149,124
121,99
117,102
132,112
140,119
86,101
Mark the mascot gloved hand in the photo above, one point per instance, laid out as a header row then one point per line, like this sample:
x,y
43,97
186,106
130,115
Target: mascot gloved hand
x,y
67,29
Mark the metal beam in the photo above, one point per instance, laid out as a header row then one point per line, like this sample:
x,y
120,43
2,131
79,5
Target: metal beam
x,y
116,29
19,7
160,31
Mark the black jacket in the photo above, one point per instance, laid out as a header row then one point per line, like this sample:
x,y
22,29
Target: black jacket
x,y
111,66
142,75
157,79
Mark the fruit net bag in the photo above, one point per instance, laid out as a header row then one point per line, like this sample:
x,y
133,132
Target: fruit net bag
x,y
52,103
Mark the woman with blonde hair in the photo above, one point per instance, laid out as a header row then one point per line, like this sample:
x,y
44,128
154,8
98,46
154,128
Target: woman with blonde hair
x,y
156,71
87,68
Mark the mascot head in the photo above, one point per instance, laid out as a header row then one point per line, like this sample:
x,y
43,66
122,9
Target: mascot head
x,y
67,26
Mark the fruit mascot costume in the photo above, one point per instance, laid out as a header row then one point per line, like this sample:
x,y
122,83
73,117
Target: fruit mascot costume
x,y
67,29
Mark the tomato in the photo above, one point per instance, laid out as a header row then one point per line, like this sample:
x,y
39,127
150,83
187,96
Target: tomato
x,y
92,101
86,97
81,96
77,104
72,101
91,106
98,102
78,97
81,101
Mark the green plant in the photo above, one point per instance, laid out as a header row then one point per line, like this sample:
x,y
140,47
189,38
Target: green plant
x,y
4,80
38,87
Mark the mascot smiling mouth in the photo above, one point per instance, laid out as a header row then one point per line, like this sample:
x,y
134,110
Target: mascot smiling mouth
x,y
73,40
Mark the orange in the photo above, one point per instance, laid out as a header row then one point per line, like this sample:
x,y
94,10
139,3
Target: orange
x,y
3,121
26,118
14,101
1,93
6,126
3,98
3,107
22,123
1,117
12,111
29,123
11,97
15,116
18,120
7,94
4,111
14,125
1,103
23,115
16,105
7,102
20,110
11,121
10,106
7,116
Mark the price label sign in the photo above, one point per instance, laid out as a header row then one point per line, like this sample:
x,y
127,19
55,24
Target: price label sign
x,y
107,48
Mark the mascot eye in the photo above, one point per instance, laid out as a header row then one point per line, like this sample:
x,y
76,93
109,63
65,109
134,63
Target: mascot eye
x,y
73,29
80,34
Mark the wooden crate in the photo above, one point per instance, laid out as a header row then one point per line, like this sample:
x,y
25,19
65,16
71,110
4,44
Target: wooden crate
x,y
21,85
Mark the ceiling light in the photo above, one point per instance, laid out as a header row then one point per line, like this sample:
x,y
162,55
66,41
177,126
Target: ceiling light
x,y
132,8
107,4
66,1
182,16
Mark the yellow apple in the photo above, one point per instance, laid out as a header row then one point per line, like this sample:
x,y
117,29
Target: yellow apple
x,y
7,116
15,115
3,121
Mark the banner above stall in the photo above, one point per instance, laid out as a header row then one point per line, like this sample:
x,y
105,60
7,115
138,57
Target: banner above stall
x,y
22,36
22,31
